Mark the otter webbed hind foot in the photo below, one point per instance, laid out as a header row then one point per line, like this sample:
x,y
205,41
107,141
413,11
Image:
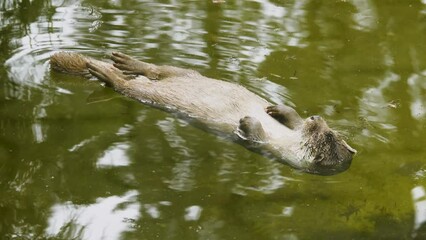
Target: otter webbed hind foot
x,y
285,115
107,74
251,130
133,66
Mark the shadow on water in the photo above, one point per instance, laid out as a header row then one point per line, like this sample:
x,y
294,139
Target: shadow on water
x,y
78,161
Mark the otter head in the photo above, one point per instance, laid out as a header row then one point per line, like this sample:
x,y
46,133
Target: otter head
x,y
330,153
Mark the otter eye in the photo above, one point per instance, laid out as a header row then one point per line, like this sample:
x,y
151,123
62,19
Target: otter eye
x,y
314,117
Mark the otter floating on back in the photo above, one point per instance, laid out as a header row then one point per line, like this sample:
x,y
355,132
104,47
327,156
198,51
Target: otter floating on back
x,y
307,144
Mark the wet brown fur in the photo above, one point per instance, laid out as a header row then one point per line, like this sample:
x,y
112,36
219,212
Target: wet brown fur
x,y
220,105
324,144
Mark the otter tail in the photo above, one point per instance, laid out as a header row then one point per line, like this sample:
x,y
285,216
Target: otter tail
x,y
71,63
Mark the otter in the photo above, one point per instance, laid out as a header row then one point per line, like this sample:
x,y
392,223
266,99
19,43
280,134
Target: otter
x,y
276,130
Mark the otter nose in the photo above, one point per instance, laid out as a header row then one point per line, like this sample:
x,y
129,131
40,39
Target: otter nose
x,y
315,117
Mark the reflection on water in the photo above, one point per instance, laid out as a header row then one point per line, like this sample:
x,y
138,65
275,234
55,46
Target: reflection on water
x,y
114,157
419,198
193,213
375,107
100,220
365,15
269,180
182,172
79,161
417,88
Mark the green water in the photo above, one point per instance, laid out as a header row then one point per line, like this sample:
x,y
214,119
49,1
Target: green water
x,y
79,161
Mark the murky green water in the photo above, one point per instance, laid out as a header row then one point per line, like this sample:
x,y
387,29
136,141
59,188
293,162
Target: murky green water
x,y
78,161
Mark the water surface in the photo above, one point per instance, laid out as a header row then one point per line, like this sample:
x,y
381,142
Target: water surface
x,y
79,161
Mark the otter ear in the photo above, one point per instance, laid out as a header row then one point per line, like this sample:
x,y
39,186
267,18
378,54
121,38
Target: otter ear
x,y
330,136
350,149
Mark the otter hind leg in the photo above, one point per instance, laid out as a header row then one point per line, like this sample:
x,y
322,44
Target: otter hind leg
x,y
250,129
132,66
285,115
70,63
77,64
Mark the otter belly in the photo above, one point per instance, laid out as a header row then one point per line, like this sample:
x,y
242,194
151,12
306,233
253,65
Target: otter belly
x,y
220,105
208,100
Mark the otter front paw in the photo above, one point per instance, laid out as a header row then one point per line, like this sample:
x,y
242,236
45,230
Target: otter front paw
x,y
251,129
285,115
